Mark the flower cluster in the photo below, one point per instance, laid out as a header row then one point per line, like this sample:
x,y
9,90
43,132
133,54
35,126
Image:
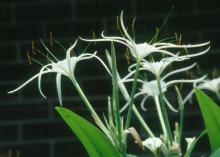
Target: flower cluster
x,y
150,76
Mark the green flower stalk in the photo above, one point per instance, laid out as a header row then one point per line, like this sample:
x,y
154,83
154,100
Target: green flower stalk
x,y
115,127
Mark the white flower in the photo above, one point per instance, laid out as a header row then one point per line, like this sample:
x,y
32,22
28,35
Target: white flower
x,y
151,88
189,141
64,67
152,143
212,85
141,50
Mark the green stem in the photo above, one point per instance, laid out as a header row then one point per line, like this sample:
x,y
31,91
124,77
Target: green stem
x,y
144,124
127,98
160,115
181,110
132,95
164,112
115,94
89,106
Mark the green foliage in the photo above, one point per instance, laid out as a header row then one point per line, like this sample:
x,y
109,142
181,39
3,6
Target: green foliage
x,y
94,141
215,153
131,155
211,113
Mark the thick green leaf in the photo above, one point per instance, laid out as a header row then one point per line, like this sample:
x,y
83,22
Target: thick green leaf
x,y
215,153
211,115
94,141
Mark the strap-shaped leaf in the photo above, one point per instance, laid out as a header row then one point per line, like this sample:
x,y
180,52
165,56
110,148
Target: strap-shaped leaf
x,y
94,141
215,153
211,115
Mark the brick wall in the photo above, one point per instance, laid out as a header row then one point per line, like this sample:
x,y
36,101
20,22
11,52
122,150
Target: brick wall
x,y
28,124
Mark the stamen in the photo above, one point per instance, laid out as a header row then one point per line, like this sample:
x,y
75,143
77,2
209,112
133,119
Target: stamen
x,y
36,61
18,153
41,53
127,56
132,26
133,22
10,152
86,48
58,43
117,24
48,50
178,39
93,36
51,39
215,73
155,37
48,60
181,87
167,39
29,58
33,47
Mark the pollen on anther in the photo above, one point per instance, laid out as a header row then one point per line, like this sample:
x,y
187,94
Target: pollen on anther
x,y
29,58
33,47
93,36
178,38
127,56
51,39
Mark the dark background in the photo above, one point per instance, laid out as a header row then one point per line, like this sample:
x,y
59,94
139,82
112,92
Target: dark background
x,y
28,123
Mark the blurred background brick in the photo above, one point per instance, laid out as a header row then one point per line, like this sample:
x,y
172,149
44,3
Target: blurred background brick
x,y
28,123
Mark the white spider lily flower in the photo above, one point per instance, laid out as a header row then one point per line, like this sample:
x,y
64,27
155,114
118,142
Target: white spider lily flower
x,y
64,67
189,141
157,67
141,50
151,88
152,143
211,85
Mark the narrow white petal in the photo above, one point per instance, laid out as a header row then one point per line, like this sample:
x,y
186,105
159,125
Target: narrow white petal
x,y
170,45
143,103
27,82
117,38
101,61
89,56
178,71
189,97
169,105
197,54
131,67
131,80
123,27
39,79
166,52
128,75
113,40
68,57
58,84
184,81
